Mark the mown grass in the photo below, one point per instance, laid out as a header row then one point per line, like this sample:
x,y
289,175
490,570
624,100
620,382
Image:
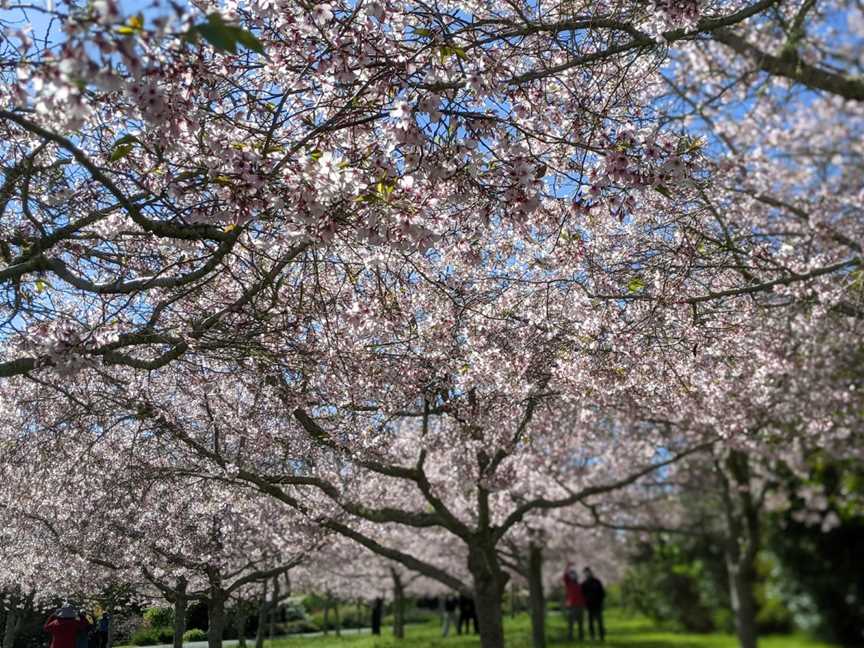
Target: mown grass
x,y
622,632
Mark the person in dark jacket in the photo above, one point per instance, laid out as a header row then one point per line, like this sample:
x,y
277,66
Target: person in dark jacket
x,y
83,638
377,614
64,626
102,629
467,614
592,590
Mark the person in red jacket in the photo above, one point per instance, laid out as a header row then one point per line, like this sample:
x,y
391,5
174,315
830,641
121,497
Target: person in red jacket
x,y
64,626
575,602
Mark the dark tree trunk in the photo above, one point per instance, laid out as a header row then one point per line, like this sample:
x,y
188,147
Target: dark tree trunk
x,y
326,615
398,605
215,618
741,584
13,625
489,584
241,616
536,597
274,608
262,617
742,545
338,619
180,603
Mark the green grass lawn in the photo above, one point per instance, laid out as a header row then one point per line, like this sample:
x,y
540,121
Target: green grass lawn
x,y
622,632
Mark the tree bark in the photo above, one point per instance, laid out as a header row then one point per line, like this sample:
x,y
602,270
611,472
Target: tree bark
x,y
180,602
13,625
240,617
262,616
326,615
215,618
537,599
741,582
489,584
274,608
742,545
398,605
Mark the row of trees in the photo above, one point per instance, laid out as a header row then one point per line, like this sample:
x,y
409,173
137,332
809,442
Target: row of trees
x,y
433,284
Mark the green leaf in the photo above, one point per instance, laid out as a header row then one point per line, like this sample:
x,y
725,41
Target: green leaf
x,y
186,175
134,25
225,38
41,285
663,191
636,284
218,36
422,31
120,152
448,50
247,40
127,139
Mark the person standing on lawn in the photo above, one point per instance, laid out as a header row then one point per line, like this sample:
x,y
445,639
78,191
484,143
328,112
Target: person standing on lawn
x,y
377,614
450,605
575,601
83,638
594,594
64,626
467,614
102,629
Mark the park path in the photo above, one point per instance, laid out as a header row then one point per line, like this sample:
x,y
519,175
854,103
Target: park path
x,y
232,643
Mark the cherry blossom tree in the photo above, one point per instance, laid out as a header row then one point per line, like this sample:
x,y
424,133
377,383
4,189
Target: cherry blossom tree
x,y
105,504
436,268
408,420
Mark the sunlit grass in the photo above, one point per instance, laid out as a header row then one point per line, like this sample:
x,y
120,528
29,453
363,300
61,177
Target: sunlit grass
x,y
622,631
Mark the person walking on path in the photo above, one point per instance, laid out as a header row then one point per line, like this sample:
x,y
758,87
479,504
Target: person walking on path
x,y
64,626
594,594
575,602
450,605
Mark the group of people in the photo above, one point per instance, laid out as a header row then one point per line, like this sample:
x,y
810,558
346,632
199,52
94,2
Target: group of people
x,y
467,614
71,628
581,596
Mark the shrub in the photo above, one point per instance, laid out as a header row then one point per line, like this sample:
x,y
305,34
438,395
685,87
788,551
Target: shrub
x,y
348,618
194,634
149,636
145,637
294,610
312,602
297,627
159,617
